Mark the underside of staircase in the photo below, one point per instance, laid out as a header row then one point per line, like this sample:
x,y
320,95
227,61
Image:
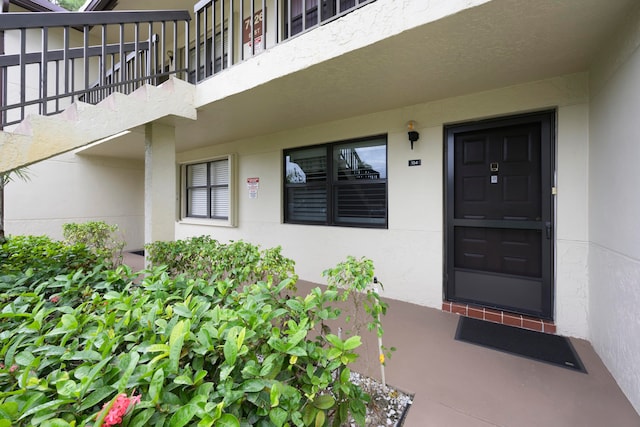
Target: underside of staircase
x,y
40,137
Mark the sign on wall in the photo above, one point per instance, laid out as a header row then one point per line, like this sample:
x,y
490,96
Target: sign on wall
x,y
252,185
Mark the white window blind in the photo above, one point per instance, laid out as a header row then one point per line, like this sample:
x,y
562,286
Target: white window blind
x,y
197,175
219,172
207,190
198,202
220,202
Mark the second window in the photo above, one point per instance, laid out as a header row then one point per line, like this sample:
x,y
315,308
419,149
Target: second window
x,y
343,183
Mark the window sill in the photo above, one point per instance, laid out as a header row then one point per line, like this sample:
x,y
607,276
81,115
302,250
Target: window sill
x,y
207,222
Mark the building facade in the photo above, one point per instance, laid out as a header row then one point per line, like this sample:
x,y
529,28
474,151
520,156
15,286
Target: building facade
x,y
515,193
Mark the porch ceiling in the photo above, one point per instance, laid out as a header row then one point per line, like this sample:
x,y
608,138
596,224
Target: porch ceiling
x,y
499,43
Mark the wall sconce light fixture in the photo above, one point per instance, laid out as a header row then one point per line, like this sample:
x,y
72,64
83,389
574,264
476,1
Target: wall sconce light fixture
x,y
413,133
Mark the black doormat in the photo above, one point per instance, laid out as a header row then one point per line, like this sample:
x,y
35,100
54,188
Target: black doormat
x,y
552,349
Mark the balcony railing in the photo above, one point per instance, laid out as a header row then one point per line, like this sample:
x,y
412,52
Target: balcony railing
x,y
49,60
230,31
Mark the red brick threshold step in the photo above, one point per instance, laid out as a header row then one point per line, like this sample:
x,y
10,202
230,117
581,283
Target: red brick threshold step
x,y
498,316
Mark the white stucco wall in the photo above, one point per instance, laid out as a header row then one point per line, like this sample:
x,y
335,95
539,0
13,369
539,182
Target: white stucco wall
x,y
71,188
572,292
408,255
614,206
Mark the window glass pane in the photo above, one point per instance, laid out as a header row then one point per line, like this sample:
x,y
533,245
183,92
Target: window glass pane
x,y
356,194
197,175
220,202
307,204
296,6
346,4
360,202
197,202
219,171
207,189
360,189
360,160
306,165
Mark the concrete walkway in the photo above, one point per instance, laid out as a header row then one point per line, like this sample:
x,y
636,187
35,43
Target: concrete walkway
x,y
458,384
462,385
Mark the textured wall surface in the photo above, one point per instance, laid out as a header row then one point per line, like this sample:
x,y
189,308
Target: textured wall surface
x,y
615,324
614,209
572,292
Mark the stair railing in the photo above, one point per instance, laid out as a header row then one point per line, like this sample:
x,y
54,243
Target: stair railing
x,y
142,62
55,58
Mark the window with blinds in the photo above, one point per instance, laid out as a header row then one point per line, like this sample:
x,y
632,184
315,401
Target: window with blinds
x,y
300,21
207,190
342,183
208,67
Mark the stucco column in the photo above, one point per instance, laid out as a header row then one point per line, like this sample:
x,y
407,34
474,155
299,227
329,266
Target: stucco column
x,y
159,182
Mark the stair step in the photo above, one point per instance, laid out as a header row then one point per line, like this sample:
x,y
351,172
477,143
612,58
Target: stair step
x,y
113,101
144,92
40,137
24,127
72,112
174,84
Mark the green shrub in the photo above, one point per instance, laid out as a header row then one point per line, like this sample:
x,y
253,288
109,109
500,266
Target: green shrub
x,y
28,260
102,239
197,352
206,258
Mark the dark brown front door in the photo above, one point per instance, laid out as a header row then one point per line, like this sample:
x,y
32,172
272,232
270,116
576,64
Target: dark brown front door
x,y
499,214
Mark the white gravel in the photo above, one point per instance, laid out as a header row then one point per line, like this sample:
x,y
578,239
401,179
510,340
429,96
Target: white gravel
x,y
387,405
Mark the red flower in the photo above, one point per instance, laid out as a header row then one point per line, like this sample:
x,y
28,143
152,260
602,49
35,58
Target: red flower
x,y
54,299
118,409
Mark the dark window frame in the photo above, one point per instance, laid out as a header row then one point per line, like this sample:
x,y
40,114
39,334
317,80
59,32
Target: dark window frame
x,y
332,184
209,186
327,11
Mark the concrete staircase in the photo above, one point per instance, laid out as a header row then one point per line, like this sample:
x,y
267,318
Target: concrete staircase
x,y
40,137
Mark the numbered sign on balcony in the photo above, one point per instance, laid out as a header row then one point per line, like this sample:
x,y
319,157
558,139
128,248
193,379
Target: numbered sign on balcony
x,y
247,40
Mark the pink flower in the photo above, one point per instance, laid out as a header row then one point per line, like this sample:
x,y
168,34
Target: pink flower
x,y
13,368
118,409
54,299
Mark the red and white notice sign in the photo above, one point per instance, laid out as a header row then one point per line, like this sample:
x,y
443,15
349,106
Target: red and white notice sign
x,y
256,41
252,185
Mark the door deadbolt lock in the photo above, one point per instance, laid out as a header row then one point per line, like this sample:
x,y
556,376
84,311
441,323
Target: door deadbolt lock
x,y
494,167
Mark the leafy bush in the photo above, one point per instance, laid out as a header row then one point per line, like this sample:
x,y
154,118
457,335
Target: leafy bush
x,y
206,258
27,260
193,351
102,239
